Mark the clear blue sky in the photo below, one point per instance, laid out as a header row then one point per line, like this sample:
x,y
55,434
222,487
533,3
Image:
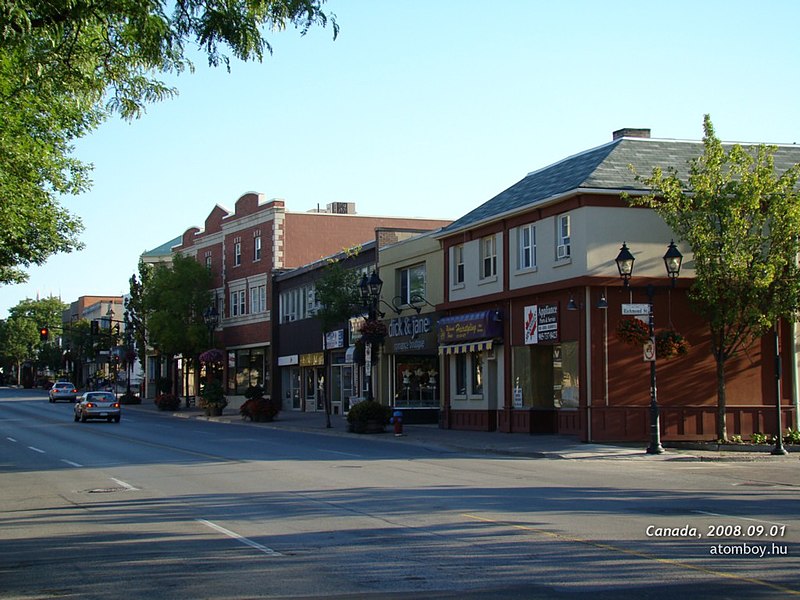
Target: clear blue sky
x,y
423,108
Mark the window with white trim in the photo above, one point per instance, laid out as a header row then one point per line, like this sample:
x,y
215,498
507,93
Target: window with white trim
x,y
412,283
458,264
526,242
258,298
238,306
237,254
208,262
257,248
562,237
488,257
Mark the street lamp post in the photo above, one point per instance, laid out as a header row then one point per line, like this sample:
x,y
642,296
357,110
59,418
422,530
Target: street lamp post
x,y
110,315
672,262
370,289
211,318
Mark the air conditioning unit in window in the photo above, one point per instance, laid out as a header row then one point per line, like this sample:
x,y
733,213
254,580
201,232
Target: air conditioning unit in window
x,y
562,251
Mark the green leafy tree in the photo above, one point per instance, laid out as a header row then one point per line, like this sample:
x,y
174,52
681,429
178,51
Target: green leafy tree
x,y
742,221
338,297
80,345
20,333
174,300
136,313
65,67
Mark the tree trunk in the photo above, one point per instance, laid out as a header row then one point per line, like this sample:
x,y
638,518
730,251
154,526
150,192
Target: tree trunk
x,y
722,430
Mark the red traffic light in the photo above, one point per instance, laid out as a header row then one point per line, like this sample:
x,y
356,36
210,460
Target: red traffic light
x,y
44,333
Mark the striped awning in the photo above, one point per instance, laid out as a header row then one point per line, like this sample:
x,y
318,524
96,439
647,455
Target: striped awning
x,y
466,347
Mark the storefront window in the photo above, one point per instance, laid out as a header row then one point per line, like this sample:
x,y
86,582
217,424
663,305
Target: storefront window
x,y
547,375
251,368
476,383
461,374
566,375
417,381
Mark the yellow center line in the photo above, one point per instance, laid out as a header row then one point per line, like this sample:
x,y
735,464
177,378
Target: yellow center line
x,y
638,554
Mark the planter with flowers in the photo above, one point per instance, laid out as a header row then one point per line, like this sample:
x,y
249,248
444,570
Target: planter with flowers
x,y
633,331
670,343
212,399
167,402
257,407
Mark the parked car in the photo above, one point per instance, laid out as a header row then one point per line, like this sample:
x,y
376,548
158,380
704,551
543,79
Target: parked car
x,y
63,390
98,405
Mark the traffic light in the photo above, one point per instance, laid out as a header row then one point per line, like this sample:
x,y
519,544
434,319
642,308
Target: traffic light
x,y
44,333
95,327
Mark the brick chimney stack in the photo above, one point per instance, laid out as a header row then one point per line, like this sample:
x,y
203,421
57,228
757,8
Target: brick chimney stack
x,y
631,132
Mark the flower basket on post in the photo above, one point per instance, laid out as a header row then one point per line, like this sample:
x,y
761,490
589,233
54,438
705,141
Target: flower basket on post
x,y
633,331
670,343
212,399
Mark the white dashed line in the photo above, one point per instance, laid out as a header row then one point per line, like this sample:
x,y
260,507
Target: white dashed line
x,y
127,486
11,440
70,463
37,450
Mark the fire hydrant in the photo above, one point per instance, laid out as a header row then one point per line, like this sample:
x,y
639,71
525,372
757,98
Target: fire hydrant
x,y
397,421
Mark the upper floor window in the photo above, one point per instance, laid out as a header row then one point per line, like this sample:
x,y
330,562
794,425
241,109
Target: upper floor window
x,y
237,254
488,257
563,237
208,262
238,306
257,248
458,264
526,241
258,299
298,303
412,283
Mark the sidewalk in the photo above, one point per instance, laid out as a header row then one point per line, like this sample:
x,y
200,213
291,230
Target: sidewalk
x,y
479,442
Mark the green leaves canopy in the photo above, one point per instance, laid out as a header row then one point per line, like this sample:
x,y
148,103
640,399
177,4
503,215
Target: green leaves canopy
x,y
67,66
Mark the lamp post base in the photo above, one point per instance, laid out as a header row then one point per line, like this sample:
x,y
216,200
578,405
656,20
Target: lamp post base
x,y
657,449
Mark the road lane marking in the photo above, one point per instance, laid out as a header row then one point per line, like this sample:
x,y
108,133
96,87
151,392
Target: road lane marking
x,y
40,451
127,486
343,453
70,463
239,538
710,514
11,440
664,561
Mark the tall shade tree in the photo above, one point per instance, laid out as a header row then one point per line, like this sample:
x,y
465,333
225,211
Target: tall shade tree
x,y
338,298
174,300
741,218
20,332
65,67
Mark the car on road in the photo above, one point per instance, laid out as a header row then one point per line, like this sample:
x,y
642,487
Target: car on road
x,y
63,390
98,405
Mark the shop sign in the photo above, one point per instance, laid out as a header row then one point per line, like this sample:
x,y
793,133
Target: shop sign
x,y
411,334
541,323
410,326
484,325
287,361
312,360
334,339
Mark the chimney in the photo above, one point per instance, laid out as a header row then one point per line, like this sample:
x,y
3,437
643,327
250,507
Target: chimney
x,y
631,132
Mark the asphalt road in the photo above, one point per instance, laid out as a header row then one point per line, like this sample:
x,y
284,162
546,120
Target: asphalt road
x,y
159,507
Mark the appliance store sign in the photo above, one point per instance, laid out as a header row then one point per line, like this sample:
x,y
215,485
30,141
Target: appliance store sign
x,y
541,323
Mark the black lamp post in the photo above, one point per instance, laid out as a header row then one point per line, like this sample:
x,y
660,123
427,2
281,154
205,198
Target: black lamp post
x,y
111,373
370,289
672,262
211,318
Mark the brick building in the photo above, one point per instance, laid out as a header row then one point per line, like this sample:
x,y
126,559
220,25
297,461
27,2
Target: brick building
x,y
244,247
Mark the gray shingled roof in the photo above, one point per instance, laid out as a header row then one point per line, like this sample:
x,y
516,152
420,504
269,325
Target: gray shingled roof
x,y
164,249
604,168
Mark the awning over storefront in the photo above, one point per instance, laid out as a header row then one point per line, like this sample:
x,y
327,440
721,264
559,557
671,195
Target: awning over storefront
x,y
467,347
349,354
471,327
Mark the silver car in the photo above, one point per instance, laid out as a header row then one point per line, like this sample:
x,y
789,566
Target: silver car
x,y
63,390
98,405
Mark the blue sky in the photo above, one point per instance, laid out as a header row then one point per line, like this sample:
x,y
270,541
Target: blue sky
x,y
423,108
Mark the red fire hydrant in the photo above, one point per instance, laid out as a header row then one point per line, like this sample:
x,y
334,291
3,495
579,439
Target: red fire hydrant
x,y
397,421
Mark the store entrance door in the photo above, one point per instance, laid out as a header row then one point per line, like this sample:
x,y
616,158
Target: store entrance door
x,y
341,388
314,388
